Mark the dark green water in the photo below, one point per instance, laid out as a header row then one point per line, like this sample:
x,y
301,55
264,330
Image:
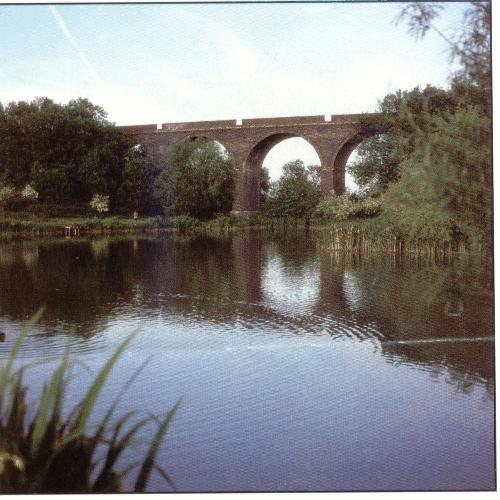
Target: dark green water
x,y
298,369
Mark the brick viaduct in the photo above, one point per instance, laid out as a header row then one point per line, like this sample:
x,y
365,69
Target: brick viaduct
x,y
250,141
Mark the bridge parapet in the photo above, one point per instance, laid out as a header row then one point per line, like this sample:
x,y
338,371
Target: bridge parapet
x,y
356,118
181,126
138,129
287,120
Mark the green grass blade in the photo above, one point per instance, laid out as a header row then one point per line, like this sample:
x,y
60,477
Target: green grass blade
x,y
51,398
115,450
5,372
87,404
147,466
165,476
109,413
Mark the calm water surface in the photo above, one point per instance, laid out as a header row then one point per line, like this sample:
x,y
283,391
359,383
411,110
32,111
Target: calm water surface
x,y
298,369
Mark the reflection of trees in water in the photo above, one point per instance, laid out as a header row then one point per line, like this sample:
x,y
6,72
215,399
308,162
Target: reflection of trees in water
x,y
290,274
83,283
75,283
409,300
462,364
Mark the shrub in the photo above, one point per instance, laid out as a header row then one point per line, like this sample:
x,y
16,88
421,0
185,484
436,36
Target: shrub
x,y
100,202
343,207
7,194
45,451
368,207
221,221
10,199
337,208
29,193
184,223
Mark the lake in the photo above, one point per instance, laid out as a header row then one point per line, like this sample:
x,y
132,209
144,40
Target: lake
x,y
299,369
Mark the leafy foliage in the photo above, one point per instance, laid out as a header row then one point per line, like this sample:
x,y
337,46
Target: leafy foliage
x,y
29,193
339,208
296,193
100,203
434,163
196,179
66,152
471,45
50,451
135,189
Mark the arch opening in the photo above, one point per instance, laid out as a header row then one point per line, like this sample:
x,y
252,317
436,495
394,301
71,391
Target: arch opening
x,y
347,161
290,149
272,153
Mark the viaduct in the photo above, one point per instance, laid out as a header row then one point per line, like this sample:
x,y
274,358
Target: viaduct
x,y
334,138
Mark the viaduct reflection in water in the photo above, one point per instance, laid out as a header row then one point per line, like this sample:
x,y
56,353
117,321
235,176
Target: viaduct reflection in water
x,y
284,282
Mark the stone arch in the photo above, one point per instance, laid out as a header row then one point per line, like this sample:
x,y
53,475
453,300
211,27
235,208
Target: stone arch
x,y
343,154
164,148
248,190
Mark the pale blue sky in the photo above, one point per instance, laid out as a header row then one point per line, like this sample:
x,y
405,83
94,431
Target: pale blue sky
x,y
167,63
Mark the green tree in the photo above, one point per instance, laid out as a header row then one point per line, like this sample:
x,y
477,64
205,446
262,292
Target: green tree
x,y
72,145
402,112
134,190
265,184
196,179
296,193
471,45
438,141
446,176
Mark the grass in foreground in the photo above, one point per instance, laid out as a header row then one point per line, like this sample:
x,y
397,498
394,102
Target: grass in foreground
x,y
51,452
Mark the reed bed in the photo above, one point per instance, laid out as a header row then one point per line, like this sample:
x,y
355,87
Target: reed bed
x,y
358,240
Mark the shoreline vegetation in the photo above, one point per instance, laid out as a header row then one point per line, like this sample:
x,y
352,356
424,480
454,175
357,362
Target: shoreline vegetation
x,y
358,235
424,184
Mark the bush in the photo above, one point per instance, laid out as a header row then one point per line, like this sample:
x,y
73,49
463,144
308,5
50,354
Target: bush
x,y
7,195
296,194
339,208
29,193
184,223
12,200
221,221
100,202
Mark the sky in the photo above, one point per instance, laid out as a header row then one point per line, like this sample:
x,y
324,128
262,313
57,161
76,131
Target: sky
x,y
168,63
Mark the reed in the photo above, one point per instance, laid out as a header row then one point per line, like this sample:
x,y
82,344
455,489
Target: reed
x,y
54,451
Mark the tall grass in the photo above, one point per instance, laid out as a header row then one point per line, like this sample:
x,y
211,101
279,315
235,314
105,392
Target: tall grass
x,y
97,225
55,451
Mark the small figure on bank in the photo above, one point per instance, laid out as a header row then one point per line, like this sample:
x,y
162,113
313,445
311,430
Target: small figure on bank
x,y
135,215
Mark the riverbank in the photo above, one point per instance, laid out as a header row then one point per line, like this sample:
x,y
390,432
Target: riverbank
x,y
72,226
367,235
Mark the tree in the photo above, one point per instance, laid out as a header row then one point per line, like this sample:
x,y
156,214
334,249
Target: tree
x,y
196,179
446,181
471,45
67,151
435,160
134,190
265,184
445,176
296,193
380,156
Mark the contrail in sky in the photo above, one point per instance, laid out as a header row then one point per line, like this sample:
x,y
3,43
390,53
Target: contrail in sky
x,y
73,42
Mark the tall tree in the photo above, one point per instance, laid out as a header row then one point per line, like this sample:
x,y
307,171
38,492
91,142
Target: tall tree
x,y
438,146
67,151
296,193
196,179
